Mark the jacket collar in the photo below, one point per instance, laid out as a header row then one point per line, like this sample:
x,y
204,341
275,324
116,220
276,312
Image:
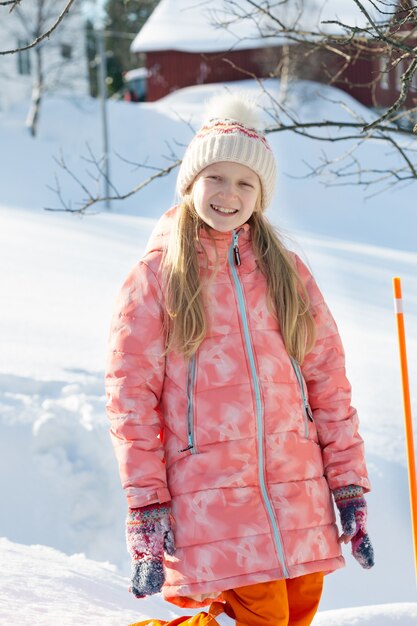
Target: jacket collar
x,y
217,245
212,240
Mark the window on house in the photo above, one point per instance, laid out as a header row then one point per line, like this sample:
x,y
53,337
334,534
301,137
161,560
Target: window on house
x,y
383,73
23,58
66,51
399,69
414,82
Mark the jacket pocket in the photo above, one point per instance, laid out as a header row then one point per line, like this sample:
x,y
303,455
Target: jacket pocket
x,y
308,414
191,378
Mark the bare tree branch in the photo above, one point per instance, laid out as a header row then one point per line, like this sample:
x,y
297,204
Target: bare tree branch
x,y
384,33
44,35
406,79
14,4
92,199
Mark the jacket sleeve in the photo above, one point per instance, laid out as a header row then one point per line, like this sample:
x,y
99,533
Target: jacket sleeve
x,y
329,394
134,380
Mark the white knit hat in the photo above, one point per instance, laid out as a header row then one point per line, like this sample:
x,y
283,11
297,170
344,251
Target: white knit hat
x,y
232,133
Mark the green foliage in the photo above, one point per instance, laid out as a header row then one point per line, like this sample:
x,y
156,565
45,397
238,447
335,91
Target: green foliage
x,y
92,58
124,20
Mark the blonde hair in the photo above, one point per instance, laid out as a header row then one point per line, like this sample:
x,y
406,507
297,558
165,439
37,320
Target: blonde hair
x,y
186,317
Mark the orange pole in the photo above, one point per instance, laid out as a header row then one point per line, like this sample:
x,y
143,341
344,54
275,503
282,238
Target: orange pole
x,y
412,478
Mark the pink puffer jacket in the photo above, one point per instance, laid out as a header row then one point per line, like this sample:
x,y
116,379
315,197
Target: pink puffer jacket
x,y
243,441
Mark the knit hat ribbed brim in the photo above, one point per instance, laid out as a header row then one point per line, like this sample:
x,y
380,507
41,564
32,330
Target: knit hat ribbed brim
x,y
230,137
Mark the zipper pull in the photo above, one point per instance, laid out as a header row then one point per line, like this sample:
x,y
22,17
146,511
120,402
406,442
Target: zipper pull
x,y
308,411
190,444
236,249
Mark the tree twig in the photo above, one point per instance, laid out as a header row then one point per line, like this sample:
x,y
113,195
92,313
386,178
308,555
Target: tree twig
x,y
14,3
91,200
43,35
406,78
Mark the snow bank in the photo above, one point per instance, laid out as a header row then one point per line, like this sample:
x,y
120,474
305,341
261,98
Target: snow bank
x,y
155,134
385,615
43,587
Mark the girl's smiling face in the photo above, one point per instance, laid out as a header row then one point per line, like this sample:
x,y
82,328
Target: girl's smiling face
x,y
225,195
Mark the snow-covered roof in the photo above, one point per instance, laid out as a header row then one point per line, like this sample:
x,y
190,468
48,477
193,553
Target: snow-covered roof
x,y
212,25
189,25
139,72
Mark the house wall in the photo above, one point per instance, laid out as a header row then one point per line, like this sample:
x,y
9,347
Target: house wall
x,y
365,78
375,82
64,76
359,79
389,88
170,70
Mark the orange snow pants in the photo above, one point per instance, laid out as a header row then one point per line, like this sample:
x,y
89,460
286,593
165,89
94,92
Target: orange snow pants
x,y
291,602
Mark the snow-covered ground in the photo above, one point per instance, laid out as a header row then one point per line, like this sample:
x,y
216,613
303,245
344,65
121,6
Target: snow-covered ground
x,y
59,275
43,587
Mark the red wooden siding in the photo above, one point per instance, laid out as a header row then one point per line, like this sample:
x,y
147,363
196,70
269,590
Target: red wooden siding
x,y
373,80
170,70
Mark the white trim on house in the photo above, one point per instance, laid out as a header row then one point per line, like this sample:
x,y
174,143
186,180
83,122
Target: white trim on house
x,y
383,73
399,70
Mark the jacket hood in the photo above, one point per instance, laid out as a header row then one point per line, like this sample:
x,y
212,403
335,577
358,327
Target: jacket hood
x,y
160,235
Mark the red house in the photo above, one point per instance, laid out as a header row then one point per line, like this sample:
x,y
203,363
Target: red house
x,y
183,44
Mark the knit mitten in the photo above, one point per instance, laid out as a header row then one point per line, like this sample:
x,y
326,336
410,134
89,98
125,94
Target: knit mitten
x,y
353,515
148,535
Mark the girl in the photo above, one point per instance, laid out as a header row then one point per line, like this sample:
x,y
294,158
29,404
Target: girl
x,y
229,404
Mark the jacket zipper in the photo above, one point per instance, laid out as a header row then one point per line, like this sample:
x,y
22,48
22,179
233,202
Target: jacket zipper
x,y
234,260
308,416
190,406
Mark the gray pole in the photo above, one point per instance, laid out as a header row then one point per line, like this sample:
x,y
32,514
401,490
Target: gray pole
x,y
104,123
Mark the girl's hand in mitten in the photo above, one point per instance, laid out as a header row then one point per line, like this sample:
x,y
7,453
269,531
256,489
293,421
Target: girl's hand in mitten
x,y
148,535
353,515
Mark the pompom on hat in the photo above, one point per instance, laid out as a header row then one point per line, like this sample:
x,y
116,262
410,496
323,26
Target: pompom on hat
x,y
232,132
